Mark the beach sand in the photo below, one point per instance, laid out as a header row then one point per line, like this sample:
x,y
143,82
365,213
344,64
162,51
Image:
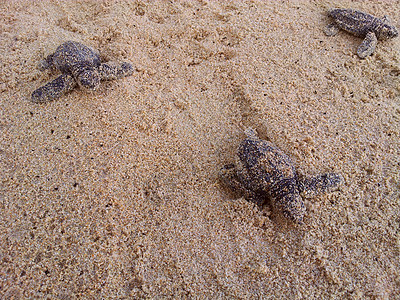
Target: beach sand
x,y
115,193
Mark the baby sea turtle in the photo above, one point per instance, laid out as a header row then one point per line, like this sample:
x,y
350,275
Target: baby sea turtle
x,y
262,171
78,64
361,24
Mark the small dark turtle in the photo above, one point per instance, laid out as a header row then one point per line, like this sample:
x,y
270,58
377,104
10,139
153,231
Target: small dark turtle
x,y
263,171
78,64
361,24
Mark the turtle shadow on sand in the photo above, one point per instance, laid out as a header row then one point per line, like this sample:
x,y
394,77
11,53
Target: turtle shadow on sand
x,y
79,65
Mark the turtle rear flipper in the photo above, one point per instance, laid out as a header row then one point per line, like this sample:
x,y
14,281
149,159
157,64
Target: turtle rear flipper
x,y
54,89
312,186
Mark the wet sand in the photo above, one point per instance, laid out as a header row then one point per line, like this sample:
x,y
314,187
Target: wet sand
x,y
115,193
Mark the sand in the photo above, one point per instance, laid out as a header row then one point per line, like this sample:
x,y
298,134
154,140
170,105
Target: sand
x,y
115,193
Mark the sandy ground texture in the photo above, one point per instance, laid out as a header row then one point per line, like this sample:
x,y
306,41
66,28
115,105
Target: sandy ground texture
x,y
115,193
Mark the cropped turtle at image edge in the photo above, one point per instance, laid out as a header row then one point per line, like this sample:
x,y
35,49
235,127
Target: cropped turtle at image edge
x,y
79,65
262,171
363,25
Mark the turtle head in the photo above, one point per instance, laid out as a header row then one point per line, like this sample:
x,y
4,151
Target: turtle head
x,y
89,79
388,31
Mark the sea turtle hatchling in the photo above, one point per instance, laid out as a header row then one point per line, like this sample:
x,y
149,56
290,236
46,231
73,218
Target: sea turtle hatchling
x,y
262,171
361,24
79,65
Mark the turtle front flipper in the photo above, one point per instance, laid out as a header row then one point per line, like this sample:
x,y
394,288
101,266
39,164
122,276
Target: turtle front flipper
x,y
54,89
229,178
312,186
112,71
368,45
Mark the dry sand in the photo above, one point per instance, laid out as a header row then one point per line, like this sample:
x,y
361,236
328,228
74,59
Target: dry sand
x,y
115,193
